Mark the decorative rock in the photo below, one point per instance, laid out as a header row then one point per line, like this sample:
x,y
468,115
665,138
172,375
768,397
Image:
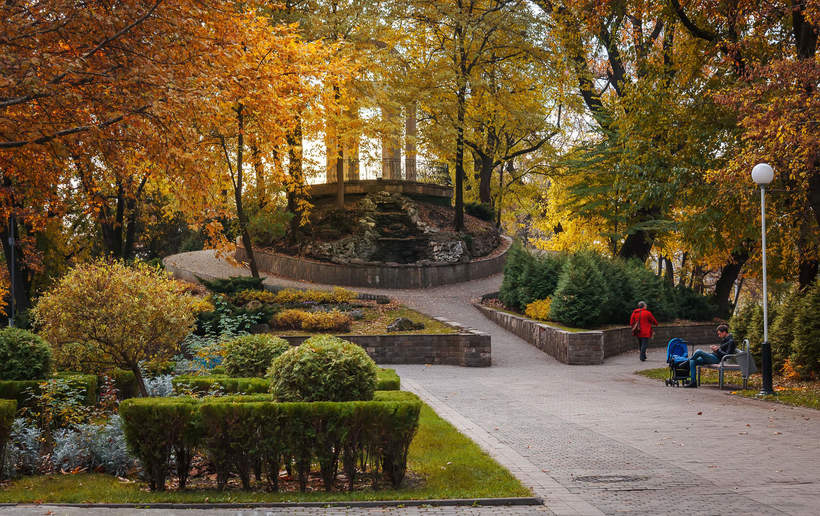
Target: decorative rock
x,y
356,315
404,324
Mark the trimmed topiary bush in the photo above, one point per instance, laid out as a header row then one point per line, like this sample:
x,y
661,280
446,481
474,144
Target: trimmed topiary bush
x,y
805,356
324,368
7,410
252,355
220,383
577,299
23,355
155,427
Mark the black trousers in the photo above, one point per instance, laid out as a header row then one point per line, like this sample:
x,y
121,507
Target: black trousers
x,y
643,343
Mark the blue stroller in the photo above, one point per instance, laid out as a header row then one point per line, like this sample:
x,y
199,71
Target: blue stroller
x,y
677,356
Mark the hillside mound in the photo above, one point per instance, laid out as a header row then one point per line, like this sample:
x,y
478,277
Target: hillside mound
x,y
390,228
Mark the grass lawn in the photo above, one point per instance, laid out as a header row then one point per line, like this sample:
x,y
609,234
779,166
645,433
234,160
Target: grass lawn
x,y
442,464
376,320
799,394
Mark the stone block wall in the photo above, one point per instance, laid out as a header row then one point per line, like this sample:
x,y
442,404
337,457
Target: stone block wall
x,y
592,347
400,276
468,348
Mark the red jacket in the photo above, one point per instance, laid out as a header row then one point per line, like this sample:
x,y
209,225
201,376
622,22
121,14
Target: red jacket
x,y
647,321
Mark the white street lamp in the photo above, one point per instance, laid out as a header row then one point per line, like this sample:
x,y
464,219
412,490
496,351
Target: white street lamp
x,y
762,174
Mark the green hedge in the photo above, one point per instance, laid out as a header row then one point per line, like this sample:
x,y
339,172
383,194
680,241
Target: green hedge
x,y
18,389
7,410
155,427
589,289
386,380
23,355
245,434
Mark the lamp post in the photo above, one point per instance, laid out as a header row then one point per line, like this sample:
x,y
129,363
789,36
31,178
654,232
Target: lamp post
x,y
762,174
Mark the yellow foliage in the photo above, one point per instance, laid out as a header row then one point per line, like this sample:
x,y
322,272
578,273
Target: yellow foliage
x,y
539,310
202,305
289,295
289,319
246,296
326,321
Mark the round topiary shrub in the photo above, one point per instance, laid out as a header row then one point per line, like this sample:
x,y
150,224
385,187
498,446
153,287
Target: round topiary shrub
x,y
23,355
252,355
323,368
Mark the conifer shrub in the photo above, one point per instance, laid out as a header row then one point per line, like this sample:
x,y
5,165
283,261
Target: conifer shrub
x,y
539,277
323,368
7,411
517,257
23,355
784,330
805,356
252,355
577,298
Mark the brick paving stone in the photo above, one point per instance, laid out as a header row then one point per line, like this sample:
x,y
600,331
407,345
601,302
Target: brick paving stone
x,y
602,437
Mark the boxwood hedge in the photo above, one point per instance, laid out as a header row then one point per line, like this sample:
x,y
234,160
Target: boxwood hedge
x,y
245,433
7,410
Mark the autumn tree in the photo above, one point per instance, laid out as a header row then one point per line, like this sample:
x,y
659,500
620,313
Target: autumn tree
x,y
121,315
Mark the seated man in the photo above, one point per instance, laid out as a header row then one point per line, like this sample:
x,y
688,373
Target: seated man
x,y
727,347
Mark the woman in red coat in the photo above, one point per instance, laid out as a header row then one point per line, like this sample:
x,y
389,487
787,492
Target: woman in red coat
x,y
642,322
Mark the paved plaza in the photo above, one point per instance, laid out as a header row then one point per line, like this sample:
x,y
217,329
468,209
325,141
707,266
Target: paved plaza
x,y
598,439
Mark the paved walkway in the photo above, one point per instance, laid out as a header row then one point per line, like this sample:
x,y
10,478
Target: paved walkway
x,y
600,439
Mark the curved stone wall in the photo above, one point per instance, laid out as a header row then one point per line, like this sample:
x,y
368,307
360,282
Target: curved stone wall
x,y
399,276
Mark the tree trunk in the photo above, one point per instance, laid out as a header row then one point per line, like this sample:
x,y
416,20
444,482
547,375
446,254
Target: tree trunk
x,y
485,175
807,272
410,136
18,272
296,186
391,144
237,192
669,271
637,245
135,368
458,222
728,276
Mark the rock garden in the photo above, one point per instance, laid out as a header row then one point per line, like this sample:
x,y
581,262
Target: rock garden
x,y
139,388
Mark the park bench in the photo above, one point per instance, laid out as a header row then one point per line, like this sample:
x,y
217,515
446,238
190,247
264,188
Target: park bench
x,y
741,361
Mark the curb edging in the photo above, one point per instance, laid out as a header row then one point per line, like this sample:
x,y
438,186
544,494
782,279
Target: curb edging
x,y
486,502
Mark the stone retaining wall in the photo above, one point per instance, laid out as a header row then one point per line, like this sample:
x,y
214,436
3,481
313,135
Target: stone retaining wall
x,y
429,192
399,276
593,346
468,348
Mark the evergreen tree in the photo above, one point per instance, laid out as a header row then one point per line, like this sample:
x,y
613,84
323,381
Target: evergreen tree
x,y
578,298
806,355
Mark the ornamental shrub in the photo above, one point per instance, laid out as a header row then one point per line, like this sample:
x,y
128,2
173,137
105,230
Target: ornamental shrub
x,y
480,210
124,314
323,368
539,310
155,427
805,357
290,319
7,410
219,383
577,299
233,284
23,355
327,321
252,355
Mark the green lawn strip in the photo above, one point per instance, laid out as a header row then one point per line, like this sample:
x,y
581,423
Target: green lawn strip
x,y
442,462
802,395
